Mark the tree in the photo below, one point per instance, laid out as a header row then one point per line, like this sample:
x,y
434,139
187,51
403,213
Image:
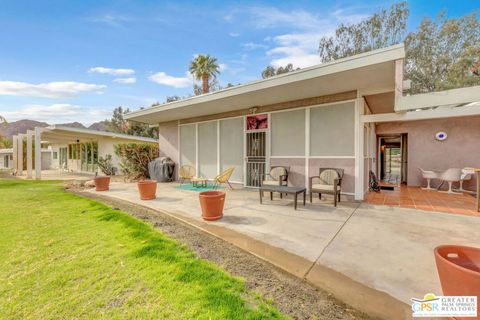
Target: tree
x,y
443,53
119,125
384,28
205,68
271,71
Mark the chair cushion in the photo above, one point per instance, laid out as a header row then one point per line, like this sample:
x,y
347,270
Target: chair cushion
x,y
270,183
277,172
326,187
328,177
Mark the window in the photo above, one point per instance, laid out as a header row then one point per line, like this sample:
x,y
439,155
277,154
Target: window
x,y
188,141
55,155
332,130
207,149
231,146
288,133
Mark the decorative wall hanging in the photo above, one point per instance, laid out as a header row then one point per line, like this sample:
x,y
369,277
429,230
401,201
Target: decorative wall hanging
x,y
257,122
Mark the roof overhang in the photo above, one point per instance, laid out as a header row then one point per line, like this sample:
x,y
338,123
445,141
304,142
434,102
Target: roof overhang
x,y
61,134
363,72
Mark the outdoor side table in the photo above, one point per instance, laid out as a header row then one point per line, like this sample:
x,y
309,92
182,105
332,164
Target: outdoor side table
x,y
199,182
283,189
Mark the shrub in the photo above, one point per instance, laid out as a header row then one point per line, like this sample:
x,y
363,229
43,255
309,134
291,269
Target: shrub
x,y
105,164
134,158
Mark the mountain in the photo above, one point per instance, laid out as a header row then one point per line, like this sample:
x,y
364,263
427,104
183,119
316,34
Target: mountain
x,y
100,126
20,126
72,125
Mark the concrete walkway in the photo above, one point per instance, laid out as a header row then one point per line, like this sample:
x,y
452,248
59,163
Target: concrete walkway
x,y
373,257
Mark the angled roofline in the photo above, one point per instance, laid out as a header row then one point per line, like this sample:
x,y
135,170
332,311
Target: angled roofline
x,y
349,63
101,133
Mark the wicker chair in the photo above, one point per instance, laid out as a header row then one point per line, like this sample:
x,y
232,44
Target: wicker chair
x,y
330,182
223,177
186,172
278,175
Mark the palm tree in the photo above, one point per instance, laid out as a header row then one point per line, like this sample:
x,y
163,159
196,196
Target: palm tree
x,y
204,67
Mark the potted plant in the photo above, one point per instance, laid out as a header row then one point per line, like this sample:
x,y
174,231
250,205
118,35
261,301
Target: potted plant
x,y
102,183
147,189
212,203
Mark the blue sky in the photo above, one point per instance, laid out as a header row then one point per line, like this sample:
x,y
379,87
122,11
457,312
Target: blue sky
x,y
64,61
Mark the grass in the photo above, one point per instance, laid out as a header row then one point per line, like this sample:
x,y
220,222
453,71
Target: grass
x,y
64,256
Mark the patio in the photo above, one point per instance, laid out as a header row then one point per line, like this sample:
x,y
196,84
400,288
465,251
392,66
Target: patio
x,y
429,200
373,257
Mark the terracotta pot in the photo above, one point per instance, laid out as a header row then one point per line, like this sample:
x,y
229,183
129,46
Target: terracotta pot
x,y
212,204
459,271
147,189
102,183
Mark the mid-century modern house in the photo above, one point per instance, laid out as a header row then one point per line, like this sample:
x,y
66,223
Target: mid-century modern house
x,y
342,114
6,158
72,150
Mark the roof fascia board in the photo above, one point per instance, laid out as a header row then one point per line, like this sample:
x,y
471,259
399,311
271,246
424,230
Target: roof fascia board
x,y
358,61
444,112
435,99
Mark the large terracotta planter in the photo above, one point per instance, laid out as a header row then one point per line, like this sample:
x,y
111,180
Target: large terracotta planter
x,y
212,204
459,271
147,189
102,183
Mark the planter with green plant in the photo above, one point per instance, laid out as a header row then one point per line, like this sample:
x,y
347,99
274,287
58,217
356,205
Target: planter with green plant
x,y
134,160
102,183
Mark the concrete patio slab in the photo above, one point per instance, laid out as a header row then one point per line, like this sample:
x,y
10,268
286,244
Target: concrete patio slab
x,y
374,258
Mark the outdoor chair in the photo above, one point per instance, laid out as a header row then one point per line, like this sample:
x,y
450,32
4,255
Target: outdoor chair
x,y
186,172
278,175
329,182
223,177
429,175
451,175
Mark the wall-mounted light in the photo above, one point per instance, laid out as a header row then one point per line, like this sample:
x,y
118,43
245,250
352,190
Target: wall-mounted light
x,y
441,136
253,110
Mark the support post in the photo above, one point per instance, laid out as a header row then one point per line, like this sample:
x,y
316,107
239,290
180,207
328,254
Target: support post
x,y
21,137
359,157
38,153
15,152
29,154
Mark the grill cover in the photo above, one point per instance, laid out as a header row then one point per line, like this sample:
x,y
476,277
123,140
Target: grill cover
x,y
161,169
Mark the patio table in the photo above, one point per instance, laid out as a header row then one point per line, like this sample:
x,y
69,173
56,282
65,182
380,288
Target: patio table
x,y
199,182
283,189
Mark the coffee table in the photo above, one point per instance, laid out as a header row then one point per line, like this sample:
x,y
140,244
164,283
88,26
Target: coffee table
x,y
199,182
283,189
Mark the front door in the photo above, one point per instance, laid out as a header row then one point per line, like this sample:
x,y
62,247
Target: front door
x,y
5,161
256,157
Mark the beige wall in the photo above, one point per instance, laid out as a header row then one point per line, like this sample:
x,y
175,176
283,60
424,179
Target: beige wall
x,y
168,141
296,176
461,149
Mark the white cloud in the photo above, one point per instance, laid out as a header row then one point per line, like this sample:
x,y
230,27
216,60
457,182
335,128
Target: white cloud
x,y
222,67
126,80
112,71
167,80
253,46
234,34
61,89
59,113
112,20
300,47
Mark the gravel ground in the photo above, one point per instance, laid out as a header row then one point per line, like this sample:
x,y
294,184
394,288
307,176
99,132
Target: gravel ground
x,y
290,294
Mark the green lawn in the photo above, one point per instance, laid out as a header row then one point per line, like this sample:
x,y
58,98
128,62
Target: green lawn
x,y
64,257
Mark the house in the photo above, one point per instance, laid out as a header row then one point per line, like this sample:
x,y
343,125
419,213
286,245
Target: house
x,y
72,150
346,114
6,158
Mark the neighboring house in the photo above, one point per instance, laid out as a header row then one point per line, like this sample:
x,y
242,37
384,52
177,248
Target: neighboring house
x,y
344,114
6,158
71,149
